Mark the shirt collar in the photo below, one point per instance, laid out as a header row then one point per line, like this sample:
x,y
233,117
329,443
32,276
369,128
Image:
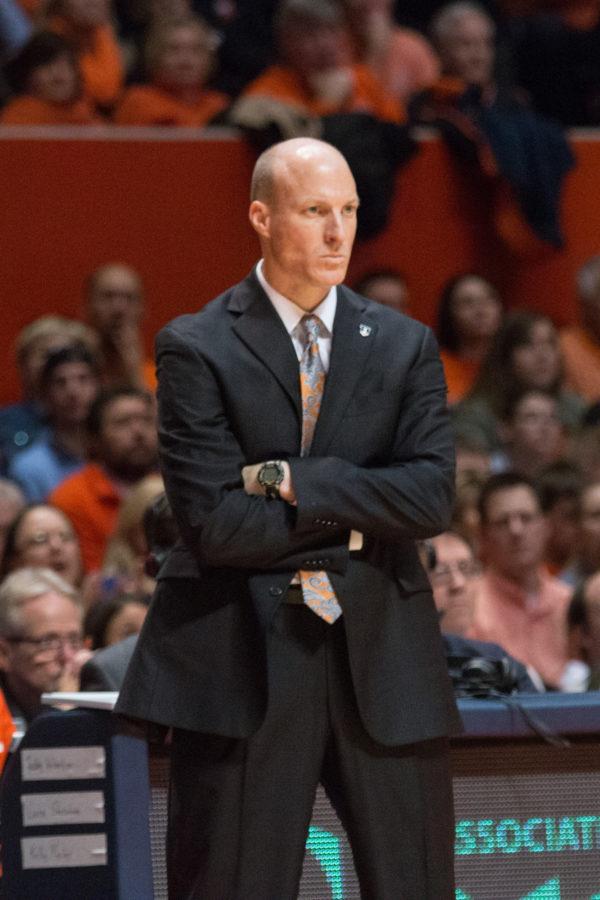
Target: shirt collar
x,y
289,313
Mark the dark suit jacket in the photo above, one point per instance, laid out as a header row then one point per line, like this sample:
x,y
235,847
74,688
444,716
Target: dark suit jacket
x,y
106,669
381,462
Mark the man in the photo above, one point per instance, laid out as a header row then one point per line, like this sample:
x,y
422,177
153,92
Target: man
x,y
454,581
22,422
464,36
70,384
121,430
519,605
40,639
580,343
317,75
522,156
114,306
286,525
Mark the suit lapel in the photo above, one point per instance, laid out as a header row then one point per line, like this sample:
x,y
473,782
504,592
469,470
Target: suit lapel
x,y
353,338
263,332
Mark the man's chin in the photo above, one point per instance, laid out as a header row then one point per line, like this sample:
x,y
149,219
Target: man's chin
x,y
331,275
132,471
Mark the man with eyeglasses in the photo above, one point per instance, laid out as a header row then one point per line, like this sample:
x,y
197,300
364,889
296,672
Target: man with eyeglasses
x,y
453,572
452,577
519,605
40,639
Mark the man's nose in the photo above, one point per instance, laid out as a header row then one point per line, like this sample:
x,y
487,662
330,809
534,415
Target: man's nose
x,y
66,652
457,579
334,229
56,541
515,524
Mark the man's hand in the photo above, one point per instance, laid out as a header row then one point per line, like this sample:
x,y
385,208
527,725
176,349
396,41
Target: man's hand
x,y
252,486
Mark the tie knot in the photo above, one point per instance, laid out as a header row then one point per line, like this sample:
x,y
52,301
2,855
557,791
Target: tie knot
x,y
310,328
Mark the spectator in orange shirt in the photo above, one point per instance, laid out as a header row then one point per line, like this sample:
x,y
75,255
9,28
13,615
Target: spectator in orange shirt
x,y
580,343
87,25
123,449
179,60
114,306
469,315
45,78
317,75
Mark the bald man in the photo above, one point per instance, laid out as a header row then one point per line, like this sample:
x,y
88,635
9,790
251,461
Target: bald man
x,y
293,637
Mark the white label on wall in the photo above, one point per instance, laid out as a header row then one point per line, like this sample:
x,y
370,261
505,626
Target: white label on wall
x,y
72,808
58,763
64,851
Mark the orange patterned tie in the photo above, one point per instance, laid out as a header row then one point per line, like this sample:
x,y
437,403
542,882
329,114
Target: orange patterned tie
x,y
316,588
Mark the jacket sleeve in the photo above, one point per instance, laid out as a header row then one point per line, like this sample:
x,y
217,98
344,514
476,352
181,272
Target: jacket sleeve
x,y
413,495
202,461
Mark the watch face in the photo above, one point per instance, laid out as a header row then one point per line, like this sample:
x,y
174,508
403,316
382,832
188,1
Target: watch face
x,y
271,473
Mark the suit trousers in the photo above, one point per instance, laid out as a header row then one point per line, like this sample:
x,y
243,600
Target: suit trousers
x,y
239,809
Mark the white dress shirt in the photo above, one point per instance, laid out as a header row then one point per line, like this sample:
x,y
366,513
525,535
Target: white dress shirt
x,y
290,315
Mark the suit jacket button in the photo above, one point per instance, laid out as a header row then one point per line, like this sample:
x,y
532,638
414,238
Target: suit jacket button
x,y
275,591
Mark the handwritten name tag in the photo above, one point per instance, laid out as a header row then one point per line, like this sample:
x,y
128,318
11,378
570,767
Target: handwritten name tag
x,y
63,808
57,763
64,851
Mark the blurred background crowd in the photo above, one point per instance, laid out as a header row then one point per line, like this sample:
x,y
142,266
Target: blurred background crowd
x,y
84,523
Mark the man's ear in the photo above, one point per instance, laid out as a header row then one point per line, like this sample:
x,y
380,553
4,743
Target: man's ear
x,y
260,218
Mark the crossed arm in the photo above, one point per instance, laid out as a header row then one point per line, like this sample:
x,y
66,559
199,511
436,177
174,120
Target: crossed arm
x,y
225,519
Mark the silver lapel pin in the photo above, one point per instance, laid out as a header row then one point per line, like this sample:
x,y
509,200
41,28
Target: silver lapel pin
x,y
364,330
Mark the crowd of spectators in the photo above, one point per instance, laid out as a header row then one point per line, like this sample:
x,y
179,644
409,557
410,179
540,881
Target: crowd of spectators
x,y
82,503
152,60
83,521
357,73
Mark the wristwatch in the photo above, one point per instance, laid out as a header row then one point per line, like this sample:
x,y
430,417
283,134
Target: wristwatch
x,y
270,476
